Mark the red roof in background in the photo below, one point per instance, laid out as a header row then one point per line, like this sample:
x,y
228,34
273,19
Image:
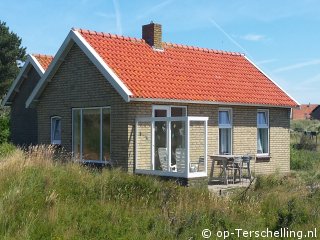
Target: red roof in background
x,y
304,111
182,72
44,60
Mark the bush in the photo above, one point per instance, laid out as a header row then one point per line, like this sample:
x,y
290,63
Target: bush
x,y
305,125
306,143
6,149
4,126
303,159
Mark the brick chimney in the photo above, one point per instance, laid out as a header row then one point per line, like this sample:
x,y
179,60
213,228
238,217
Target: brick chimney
x,y
152,34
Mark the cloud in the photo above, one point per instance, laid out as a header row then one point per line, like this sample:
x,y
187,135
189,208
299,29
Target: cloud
x,y
227,35
154,9
266,61
253,37
118,16
312,80
297,66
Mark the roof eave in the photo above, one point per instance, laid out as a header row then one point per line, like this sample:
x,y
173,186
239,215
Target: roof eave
x,y
266,75
208,102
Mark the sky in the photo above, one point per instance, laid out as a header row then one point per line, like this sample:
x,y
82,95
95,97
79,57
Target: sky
x,y
281,37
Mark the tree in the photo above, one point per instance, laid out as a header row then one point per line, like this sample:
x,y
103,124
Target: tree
x,y
11,52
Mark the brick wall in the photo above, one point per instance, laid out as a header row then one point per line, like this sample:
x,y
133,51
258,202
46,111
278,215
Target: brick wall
x,y
23,121
152,34
244,133
78,83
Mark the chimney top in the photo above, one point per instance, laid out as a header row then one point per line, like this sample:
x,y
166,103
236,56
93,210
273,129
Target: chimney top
x,y
152,34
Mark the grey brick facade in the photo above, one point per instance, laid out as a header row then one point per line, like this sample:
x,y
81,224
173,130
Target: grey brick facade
x,y
23,121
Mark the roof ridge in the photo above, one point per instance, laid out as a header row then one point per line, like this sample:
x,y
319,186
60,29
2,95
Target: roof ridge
x,y
203,49
110,35
41,55
85,31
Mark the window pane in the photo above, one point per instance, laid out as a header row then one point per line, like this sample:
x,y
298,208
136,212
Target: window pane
x,y
178,112
106,134
178,145
263,141
225,141
262,118
57,129
91,134
224,118
160,146
160,113
76,132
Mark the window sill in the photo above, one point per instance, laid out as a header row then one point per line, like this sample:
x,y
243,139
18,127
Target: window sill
x,y
96,163
263,158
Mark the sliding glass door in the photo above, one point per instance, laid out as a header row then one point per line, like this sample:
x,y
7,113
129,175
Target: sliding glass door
x,y
91,134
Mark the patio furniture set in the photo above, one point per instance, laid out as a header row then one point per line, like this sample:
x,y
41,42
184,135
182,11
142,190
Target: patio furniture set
x,y
233,165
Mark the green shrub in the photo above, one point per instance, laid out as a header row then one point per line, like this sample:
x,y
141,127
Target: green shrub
x,y
303,159
305,125
4,126
6,149
306,143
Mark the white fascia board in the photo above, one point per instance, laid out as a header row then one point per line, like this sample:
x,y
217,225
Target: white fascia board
x,y
31,60
63,50
36,65
163,100
298,104
106,71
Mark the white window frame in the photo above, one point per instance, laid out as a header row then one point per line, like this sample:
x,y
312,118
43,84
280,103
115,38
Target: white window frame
x,y
168,108
81,146
52,125
229,126
267,126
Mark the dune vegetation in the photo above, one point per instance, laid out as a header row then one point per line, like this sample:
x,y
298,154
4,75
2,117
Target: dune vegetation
x,y
44,197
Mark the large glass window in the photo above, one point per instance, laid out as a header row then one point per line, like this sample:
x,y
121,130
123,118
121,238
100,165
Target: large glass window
x,y
162,134
263,132
91,134
56,130
225,131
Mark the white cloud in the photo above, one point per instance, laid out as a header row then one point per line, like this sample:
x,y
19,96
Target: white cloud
x,y
118,16
298,65
266,61
227,35
153,9
253,37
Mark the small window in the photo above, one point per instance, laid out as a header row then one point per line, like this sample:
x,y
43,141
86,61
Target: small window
x,y
225,131
263,132
56,130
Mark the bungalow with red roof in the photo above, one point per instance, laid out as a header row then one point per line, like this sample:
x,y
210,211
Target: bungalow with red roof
x,y
159,108
306,111
23,121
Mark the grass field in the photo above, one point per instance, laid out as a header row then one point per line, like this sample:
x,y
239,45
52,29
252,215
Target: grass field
x,y
42,198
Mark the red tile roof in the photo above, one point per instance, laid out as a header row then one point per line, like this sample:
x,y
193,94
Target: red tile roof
x,y
182,72
44,60
304,112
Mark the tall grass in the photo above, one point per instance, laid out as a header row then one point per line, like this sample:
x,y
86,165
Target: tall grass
x,y
44,198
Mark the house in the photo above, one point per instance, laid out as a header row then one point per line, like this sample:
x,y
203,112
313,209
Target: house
x,y
159,108
23,121
306,111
